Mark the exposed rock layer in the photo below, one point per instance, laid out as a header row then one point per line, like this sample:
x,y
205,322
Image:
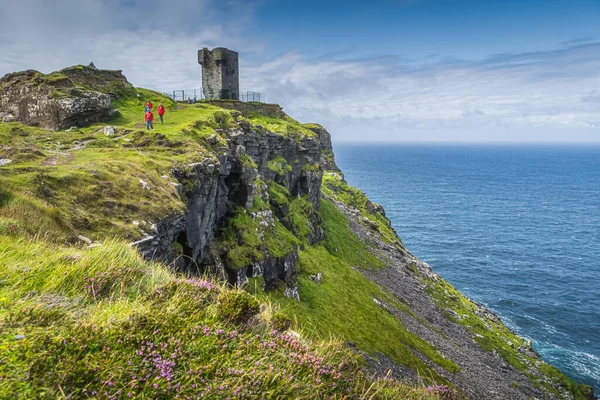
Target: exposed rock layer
x,y
215,190
76,96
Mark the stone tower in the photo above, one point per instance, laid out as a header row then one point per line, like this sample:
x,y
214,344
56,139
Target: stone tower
x,y
220,73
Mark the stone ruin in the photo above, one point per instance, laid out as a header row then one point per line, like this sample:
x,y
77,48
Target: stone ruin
x,y
220,73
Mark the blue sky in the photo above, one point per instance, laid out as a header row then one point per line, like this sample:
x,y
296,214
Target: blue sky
x,y
418,29
384,70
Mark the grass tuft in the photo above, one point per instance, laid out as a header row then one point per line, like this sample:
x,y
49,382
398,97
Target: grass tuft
x,y
148,333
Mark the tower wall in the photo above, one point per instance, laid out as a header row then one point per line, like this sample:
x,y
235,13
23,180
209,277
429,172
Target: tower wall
x,y
220,73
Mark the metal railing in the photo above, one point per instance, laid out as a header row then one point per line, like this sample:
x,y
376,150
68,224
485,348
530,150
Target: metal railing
x,y
252,96
198,94
185,94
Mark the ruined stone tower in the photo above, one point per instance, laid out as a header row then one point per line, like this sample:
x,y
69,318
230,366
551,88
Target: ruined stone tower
x,y
220,74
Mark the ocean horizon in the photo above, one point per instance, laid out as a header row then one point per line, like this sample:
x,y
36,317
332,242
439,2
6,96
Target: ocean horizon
x,y
515,226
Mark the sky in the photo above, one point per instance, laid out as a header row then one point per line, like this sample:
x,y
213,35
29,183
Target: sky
x,y
483,71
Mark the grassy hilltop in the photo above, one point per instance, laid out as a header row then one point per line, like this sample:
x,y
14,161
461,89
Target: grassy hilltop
x,y
81,320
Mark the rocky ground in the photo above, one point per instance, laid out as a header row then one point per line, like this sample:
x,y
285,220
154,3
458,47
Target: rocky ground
x,y
483,374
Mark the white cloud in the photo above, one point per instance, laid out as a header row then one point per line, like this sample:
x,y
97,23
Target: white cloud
x,y
154,42
548,96
544,96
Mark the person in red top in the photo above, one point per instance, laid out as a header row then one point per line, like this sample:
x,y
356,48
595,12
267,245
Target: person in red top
x,y
149,118
149,105
161,112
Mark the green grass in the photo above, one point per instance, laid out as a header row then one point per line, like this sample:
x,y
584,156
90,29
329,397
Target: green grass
x,y
88,315
287,127
85,183
335,187
278,195
249,236
248,162
245,249
493,335
343,303
300,217
279,165
95,192
103,323
342,242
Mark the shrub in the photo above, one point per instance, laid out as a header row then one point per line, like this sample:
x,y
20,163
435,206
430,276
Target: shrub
x,y
279,165
237,306
280,321
278,195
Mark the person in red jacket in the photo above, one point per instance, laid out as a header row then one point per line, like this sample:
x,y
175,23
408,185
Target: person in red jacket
x,y
149,105
161,112
149,118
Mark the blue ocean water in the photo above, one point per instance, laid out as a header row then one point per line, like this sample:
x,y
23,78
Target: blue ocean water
x,y
514,228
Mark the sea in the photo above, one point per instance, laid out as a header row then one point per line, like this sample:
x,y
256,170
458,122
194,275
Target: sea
x,y
515,228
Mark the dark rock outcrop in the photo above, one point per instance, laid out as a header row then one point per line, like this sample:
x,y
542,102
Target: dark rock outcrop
x,y
217,188
76,96
326,147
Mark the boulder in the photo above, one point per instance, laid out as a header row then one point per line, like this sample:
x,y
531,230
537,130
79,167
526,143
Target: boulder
x,y
145,184
84,239
76,96
212,139
8,118
316,278
109,130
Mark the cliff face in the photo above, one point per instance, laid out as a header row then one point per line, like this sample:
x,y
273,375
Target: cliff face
x,y
250,196
235,186
73,97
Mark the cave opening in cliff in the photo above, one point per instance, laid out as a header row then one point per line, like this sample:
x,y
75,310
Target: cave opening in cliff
x,y
187,251
301,187
232,277
238,189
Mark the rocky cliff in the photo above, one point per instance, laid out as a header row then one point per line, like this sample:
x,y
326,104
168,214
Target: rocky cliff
x,y
73,97
254,169
247,195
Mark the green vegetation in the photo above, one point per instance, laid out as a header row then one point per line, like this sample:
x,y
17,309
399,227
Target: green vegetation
x,y
249,236
493,335
86,183
299,215
343,304
342,242
278,195
95,191
248,247
248,162
313,126
237,306
335,187
279,165
102,323
311,167
288,127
